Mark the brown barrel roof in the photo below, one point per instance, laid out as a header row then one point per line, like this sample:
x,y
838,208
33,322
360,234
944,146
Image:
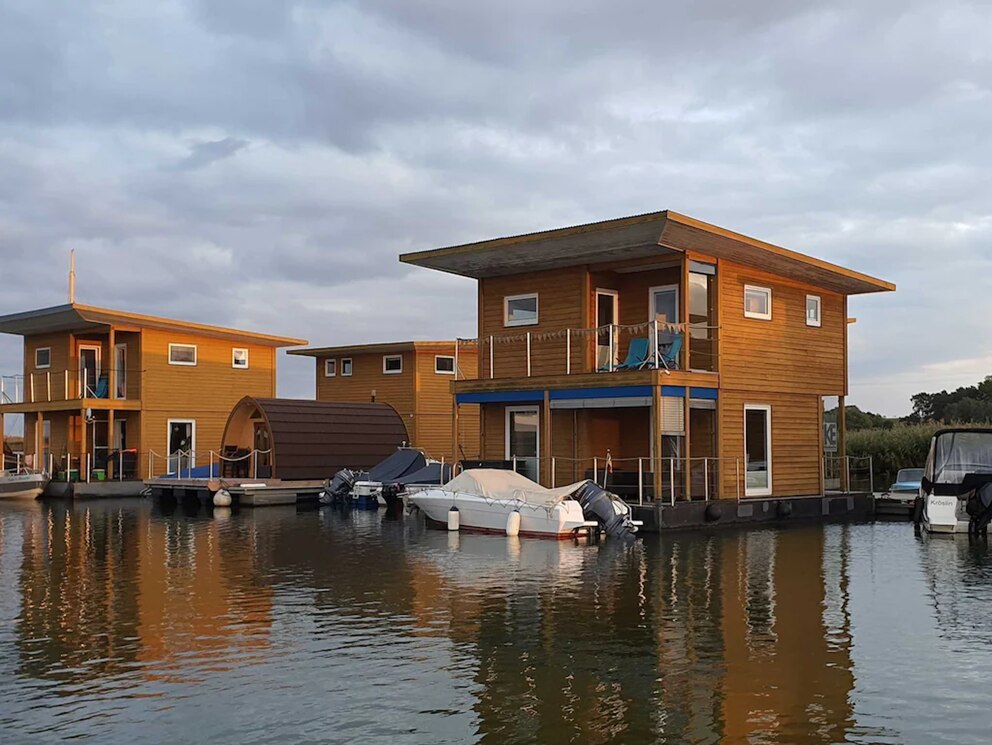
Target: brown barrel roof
x,y
316,439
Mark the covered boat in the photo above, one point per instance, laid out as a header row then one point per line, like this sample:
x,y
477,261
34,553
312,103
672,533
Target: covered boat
x,y
499,501
957,480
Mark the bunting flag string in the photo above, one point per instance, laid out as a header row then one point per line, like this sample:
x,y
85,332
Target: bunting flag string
x,y
636,328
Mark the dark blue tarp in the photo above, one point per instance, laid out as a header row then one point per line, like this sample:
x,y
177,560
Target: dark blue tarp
x,y
199,472
396,466
429,474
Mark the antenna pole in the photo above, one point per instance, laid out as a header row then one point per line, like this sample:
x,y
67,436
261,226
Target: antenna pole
x,y
72,276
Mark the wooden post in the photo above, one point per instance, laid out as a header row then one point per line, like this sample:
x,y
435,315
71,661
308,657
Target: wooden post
x,y
656,425
454,434
688,454
842,442
546,439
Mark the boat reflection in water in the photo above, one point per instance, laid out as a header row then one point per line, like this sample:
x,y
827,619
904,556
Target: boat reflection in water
x,y
118,621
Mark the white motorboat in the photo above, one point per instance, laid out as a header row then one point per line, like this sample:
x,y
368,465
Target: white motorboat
x,y
497,501
22,484
957,480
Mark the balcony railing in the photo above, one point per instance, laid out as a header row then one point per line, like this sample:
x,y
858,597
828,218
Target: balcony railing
x,y
47,386
613,348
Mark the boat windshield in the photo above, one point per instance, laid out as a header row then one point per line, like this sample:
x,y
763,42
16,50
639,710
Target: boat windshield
x,y
909,475
959,453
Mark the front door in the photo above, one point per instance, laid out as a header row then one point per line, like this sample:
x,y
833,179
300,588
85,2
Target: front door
x,y
606,319
523,440
89,371
757,450
182,446
120,371
665,303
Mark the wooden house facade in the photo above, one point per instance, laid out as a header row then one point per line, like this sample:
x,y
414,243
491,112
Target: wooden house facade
x,y
679,359
129,394
414,377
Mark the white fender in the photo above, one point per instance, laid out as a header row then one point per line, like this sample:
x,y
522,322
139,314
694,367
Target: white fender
x,y
222,498
453,519
513,523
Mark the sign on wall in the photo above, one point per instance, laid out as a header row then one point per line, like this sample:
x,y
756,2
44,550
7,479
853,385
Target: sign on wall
x,y
830,437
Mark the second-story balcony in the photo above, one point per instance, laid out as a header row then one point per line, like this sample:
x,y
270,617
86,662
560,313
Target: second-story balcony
x,y
612,354
77,387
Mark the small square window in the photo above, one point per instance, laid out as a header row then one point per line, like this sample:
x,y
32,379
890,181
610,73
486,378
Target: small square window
x,y
757,302
520,310
346,367
330,368
444,364
239,359
43,357
182,354
392,364
812,310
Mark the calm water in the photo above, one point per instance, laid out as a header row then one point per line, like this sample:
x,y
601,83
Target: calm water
x,y
119,623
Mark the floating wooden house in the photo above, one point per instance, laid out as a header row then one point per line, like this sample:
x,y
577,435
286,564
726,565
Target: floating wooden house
x,y
131,395
680,359
414,377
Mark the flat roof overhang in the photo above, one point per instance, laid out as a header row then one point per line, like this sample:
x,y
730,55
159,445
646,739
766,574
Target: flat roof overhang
x,y
649,236
374,348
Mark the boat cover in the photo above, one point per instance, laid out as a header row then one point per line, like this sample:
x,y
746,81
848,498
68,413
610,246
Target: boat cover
x,y
494,483
396,466
429,474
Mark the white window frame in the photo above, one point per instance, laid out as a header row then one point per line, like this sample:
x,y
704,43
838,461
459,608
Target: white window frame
x,y
508,412
444,357
526,321
347,367
120,371
234,358
751,314
196,355
766,491
42,349
168,435
392,357
818,321
652,291
91,385
330,367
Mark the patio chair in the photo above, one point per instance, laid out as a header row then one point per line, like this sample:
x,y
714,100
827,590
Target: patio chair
x,y
669,358
637,355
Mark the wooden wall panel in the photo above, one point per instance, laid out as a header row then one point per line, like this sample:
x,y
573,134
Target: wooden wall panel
x,y
206,393
783,354
61,360
795,441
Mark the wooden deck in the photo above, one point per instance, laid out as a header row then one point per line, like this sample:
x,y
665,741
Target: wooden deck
x,y
244,492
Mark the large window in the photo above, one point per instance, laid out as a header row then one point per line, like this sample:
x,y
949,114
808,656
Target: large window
x,y
520,310
43,357
757,302
812,310
757,450
120,371
392,364
444,364
182,354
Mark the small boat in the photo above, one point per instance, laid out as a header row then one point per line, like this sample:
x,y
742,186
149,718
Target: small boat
x,y
957,481
403,470
505,502
22,484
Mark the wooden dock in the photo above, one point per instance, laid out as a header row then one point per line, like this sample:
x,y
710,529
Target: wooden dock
x,y
244,493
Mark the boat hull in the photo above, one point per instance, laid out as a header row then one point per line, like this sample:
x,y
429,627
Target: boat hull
x,y
490,516
22,486
945,514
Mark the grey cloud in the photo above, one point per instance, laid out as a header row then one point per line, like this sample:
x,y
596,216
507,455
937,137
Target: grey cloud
x,y
204,153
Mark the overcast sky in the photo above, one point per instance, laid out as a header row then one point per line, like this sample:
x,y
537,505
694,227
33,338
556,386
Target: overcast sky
x,y
261,163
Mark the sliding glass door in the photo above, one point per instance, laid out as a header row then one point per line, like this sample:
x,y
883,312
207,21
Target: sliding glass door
x,y
758,450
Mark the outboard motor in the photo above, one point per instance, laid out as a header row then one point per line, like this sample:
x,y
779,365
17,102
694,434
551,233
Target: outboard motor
x,y
391,494
599,504
979,508
339,488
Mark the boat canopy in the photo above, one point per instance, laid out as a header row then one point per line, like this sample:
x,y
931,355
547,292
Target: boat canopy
x,y
960,460
498,484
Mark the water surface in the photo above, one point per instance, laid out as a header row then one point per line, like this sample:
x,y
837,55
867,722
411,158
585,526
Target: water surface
x,y
120,623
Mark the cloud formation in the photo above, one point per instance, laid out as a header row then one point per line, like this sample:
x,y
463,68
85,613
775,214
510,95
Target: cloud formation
x,y
261,164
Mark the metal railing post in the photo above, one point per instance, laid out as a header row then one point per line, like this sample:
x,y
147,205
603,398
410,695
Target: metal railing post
x,y
515,464
609,364
210,473
528,354
871,475
553,472
671,478
88,461
254,468
654,353
492,363
640,481
65,376
568,351
706,478
120,465
595,469
32,387
737,477
48,377
847,474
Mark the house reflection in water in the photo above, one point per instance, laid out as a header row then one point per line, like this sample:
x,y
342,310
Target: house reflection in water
x,y
733,637
108,590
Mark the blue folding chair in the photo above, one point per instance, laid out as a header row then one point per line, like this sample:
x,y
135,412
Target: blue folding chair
x,y
669,359
637,355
